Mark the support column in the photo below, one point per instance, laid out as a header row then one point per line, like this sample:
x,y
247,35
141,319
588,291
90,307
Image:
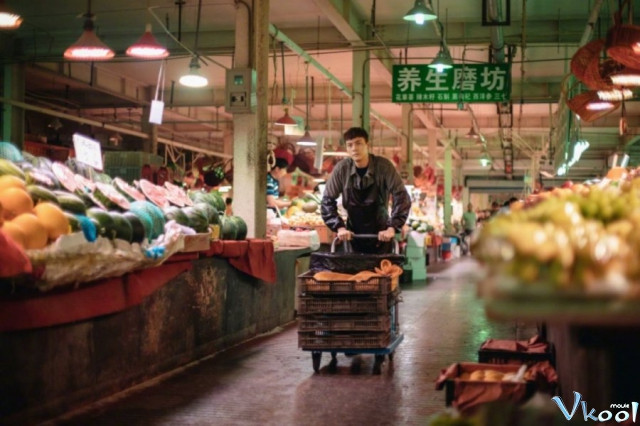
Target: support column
x,y
250,130
12,116
432,135
361,106
407,139
448,229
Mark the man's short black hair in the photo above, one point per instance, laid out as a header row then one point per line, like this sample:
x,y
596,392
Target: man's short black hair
x,y
356,132
280,163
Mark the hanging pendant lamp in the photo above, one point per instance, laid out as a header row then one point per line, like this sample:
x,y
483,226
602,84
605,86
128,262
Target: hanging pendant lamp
x,y
147,47
286,119
194,78
420,13
443,60
306,139
88,47
8,19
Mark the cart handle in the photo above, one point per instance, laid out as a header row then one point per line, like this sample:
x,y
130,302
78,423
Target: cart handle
x,y
347,244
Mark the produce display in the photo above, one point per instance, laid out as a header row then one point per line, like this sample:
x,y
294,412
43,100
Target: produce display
x,y
304,212
580,238
419,224
40,201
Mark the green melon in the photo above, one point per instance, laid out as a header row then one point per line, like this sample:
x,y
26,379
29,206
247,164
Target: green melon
x,y
197,219
106,225
175,213
155,215
138,232
228,229
70,202
8,168
74,223
123,228
241,227
40,193
218,201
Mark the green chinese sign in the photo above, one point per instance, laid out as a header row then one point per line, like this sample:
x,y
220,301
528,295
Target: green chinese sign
x,y
462,83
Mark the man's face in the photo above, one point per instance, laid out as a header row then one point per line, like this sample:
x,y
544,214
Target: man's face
x,y
358,148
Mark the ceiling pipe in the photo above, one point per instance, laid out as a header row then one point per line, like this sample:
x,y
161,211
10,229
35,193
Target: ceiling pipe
x,y
279,35
106,126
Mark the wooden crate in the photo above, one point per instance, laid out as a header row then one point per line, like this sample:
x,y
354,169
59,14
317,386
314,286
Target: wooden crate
x,y
197,242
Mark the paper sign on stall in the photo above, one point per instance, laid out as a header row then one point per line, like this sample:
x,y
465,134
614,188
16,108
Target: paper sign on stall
x,y
88,151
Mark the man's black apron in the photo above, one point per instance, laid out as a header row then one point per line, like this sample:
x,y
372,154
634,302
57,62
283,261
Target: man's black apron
x,y
367,215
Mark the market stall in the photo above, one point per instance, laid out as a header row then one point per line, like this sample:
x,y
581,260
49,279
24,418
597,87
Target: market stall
x,y
567,259
95,304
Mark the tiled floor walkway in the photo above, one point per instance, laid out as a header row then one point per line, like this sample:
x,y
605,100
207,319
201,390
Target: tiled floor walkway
x,y
269,381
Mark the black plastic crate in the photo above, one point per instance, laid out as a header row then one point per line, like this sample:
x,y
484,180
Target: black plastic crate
x,y
374,285
378,304
329,340
344,323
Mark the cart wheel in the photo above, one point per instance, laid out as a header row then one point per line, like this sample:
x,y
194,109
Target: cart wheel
x,y
377,364
391,357
315,357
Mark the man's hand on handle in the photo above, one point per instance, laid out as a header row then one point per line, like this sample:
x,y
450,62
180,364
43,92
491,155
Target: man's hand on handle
x,y
344,234
387,234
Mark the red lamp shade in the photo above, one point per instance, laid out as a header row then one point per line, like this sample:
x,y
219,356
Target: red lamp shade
x,y
147,47
88,47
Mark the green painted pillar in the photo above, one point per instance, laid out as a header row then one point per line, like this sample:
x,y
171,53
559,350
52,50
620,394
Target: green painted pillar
x,y
448,229
12,116
361,107
407,126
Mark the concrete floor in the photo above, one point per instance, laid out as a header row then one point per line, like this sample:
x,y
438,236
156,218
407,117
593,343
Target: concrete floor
x,y
269,381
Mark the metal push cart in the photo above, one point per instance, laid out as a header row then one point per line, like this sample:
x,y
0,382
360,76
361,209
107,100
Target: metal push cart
x,y
353,317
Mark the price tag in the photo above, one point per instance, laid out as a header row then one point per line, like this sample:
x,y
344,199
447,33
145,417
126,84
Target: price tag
x,y
88,151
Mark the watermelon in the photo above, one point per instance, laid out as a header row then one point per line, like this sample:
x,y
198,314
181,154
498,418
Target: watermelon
x,y
106,225
84,183
154,214
218,201
43,163
241,227
10,152
176,195
228,229
198,220
123,228
175,213
42,177
74,223
155,194
28,157
65,177
39,193
129,191
209,211
110,197
103,178
78,167
70,203
8,168
138,233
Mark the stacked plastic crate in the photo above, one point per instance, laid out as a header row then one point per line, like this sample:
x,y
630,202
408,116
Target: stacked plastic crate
x,y
346,316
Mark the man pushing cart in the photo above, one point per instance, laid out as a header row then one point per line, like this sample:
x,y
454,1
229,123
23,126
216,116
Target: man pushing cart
x,y
349,300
